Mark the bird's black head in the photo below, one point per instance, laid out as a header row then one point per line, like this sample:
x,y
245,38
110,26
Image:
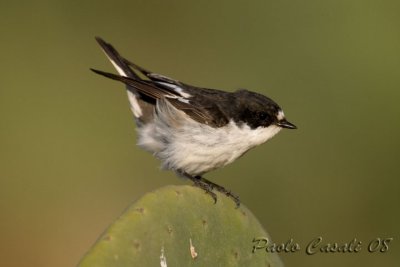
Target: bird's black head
x,y
258,110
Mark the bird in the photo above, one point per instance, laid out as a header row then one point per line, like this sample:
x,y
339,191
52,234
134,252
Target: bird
x,y
194,130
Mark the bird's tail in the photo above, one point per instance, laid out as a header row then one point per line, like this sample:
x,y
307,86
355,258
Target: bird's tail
x,y
122,66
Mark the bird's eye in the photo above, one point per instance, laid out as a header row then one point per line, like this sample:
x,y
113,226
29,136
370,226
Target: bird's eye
x,y
262,115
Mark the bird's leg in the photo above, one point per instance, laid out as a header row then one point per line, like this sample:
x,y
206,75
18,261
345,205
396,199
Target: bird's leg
x,y
198,181
221,189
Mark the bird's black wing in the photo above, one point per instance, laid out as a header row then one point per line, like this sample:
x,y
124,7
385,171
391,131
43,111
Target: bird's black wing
x,y
201,108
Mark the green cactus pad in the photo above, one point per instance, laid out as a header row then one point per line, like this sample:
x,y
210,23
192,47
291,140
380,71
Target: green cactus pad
x,y
181,226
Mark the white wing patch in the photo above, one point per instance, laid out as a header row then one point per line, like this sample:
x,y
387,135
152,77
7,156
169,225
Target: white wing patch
x,y
184,100
176,88
181,99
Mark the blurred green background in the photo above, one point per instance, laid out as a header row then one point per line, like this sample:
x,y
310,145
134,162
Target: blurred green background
x,y
69,163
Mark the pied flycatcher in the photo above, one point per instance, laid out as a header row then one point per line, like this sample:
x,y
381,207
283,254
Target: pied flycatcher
x,y
194,130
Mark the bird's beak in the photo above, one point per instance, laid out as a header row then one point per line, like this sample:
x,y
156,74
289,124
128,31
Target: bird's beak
x,y
285,124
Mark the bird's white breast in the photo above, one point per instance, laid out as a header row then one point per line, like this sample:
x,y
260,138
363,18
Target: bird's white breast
x,y
186,145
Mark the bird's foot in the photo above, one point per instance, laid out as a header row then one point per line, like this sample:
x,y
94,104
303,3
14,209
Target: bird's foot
x,y
223,190
206,187
209,186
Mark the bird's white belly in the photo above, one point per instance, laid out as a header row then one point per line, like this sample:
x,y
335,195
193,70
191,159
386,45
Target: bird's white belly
x,y
197,148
